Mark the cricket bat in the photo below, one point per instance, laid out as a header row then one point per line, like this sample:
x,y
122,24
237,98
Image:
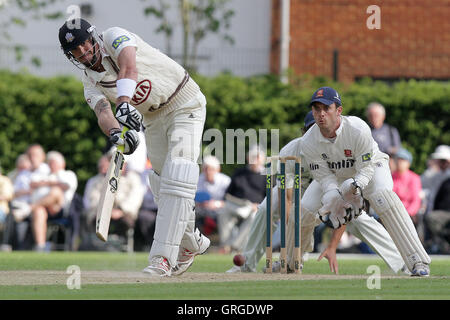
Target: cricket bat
x,y
109,189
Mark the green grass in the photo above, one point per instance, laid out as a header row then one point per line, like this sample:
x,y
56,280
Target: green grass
x,y
435,287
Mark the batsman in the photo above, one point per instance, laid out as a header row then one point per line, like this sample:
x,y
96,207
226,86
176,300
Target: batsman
x,y
154,93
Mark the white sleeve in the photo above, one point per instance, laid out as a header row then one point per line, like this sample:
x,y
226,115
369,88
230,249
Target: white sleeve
x,y
92,95
115,39
364,163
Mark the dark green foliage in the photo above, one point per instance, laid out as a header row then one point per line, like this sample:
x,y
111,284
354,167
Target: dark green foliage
x,y
53,112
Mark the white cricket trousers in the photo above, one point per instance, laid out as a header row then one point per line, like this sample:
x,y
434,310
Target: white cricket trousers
x,y
174,145
364,227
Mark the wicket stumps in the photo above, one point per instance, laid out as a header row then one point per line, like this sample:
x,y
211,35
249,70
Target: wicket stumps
x,y
271,171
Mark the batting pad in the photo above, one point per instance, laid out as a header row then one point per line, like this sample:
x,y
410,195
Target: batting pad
x,y
155,184
399,226
176,215
370,231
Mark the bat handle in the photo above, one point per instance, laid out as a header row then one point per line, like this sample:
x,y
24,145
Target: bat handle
x,y
121,148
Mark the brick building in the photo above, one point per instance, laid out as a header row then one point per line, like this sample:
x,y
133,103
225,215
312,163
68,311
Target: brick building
x,y
331,38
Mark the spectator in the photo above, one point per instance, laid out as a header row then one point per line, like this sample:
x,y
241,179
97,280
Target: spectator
x,y
128,200
407,184
91,194
34,158
209,200
22,164
438,220
6,195
51,197
438,170
245,192
386,136
145,223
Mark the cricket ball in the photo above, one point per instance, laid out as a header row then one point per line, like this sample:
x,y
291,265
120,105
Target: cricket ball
x,y
239,260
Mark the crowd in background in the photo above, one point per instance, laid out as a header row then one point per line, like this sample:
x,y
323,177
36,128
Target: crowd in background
x,y
40,207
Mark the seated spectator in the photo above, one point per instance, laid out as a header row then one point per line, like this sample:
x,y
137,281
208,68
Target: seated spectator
x,y
438,220
128,200
91,194
211,188
51,197
245,192
407,184
145,222
438,170
22,164
21,204
386,136
6,195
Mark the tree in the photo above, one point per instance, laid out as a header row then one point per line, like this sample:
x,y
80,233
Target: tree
x,y
38,10
198,18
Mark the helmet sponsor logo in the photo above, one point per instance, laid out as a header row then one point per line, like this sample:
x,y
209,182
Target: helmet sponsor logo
x,y
69,37
142,92
119,40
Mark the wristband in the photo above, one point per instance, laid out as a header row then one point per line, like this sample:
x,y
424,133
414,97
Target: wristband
x,y
125,87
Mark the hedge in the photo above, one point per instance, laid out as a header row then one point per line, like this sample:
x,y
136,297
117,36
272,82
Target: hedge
x,y
52,112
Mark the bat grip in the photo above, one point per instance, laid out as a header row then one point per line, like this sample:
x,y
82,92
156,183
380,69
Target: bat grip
x,y
121,148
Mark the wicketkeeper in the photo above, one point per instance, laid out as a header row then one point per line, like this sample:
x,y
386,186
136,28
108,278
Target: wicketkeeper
x,y
345,161
365,228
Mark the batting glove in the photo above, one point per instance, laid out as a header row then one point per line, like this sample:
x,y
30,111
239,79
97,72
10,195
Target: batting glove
x,y
128,116
130,141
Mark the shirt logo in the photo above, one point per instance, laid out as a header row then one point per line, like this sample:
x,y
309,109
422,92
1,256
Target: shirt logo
x,y
69,37
366,157
119,40
343,164
348,153
142,92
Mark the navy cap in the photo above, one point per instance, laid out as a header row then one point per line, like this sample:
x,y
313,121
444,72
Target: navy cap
x,y
309,120
327,96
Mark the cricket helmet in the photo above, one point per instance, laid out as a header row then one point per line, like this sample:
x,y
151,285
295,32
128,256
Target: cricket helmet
x,y
74,33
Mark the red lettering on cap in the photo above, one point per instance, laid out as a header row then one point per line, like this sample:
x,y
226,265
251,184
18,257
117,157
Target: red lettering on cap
x,y
319,93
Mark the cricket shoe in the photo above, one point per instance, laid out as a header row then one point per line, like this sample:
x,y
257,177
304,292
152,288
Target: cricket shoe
x,y
420,270
159,266
186,257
